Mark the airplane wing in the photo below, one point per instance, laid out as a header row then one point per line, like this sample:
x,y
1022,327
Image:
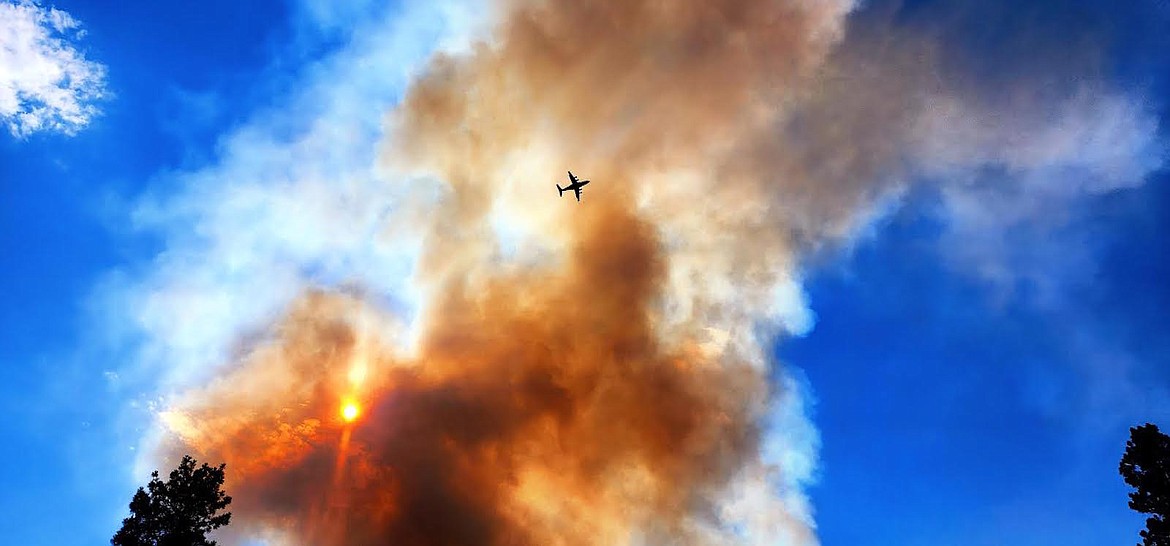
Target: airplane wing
x,y
577,190
572,179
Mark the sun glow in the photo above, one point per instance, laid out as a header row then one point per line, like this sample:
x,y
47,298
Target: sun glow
x,y
349,411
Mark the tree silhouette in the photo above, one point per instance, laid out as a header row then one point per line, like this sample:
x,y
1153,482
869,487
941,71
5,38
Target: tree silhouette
x,y
1146,467
177,512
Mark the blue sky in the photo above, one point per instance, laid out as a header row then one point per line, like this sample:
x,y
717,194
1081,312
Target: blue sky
x,y
953,405
949,415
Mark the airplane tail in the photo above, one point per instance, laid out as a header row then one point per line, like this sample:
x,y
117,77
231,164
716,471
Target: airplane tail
x,y
560,190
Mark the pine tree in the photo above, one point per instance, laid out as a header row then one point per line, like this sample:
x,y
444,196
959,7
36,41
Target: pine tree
x,y
1146,467
177,512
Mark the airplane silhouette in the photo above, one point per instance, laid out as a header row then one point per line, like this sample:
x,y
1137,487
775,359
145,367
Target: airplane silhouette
x,y
575,186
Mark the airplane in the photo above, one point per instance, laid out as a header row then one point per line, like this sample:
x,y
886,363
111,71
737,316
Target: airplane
x,y
575,186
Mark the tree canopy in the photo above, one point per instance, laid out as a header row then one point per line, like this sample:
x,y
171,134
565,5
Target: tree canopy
x,y
1146,467
177,512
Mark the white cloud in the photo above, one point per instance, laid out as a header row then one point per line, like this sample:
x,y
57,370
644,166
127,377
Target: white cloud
x,y
1019,185
1014,179
46,84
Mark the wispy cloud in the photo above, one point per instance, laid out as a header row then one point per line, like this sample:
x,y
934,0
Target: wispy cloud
x,y
46,83
1015,182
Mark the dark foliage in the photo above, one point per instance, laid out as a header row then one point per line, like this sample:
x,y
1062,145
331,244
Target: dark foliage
x,y
177,512
1146,467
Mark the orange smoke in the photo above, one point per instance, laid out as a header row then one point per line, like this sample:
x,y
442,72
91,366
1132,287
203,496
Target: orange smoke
x,y
540,410
580,373
604,386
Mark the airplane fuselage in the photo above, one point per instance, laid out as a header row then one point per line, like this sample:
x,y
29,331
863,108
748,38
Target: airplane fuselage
x,y
574,185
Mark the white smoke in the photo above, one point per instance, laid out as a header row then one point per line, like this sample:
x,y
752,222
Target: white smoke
x,y
298,198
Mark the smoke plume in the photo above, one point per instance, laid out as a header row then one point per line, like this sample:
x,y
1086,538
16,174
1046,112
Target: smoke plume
x,y
595,373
